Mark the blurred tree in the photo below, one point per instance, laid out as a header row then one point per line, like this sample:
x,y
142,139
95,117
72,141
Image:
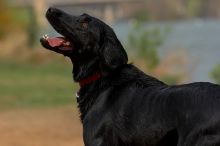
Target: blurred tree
x,y
215,74
11,18
144,41
142,15
32,28
193,8
5,18
171,79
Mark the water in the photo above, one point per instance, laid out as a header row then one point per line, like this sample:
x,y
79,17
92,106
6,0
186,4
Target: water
x,y
199,38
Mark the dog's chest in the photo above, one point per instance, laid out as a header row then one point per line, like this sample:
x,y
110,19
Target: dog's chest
x,y
122,132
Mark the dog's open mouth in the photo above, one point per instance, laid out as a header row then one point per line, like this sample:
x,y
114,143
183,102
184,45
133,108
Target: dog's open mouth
x,y
60,43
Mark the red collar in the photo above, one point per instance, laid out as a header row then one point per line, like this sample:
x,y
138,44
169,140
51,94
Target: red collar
x,y
90,79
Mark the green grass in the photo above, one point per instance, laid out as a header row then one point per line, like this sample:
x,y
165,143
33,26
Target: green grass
x,y
34,85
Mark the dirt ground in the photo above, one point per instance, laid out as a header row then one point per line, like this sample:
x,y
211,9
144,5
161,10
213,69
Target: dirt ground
x,y
40,127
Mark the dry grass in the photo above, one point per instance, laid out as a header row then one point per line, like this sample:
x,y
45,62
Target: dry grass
x,y
41,127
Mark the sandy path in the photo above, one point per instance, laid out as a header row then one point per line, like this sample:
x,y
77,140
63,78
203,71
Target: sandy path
x,y
40,127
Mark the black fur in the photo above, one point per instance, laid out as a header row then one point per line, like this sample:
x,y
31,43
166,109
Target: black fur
x,y
127,107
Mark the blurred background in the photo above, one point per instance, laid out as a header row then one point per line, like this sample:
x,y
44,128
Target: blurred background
x,y
177,41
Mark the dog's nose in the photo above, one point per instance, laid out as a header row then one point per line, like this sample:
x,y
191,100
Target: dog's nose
x,y
53,11
50,10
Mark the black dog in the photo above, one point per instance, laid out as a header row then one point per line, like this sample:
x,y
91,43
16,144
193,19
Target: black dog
x,y
122,106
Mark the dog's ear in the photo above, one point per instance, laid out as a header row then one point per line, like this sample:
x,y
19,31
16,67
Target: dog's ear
x,y
112,51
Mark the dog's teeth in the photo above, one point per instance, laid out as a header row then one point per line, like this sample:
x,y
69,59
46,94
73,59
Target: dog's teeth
x,y
45,36
66,43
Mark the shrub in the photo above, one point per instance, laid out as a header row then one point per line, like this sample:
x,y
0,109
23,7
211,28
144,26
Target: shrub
x,y
215,74
145,40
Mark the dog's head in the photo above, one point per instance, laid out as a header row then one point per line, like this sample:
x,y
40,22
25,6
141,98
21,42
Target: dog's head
x,y
85,39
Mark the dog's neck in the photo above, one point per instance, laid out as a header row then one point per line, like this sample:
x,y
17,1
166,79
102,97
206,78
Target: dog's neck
x,y
87,74
85,71
90,79
122,76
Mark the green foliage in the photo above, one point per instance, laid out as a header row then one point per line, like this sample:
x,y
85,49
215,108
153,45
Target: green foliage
x,y
5,18
34,85
11,18
26,19
32,29
21,17
215,74
145,41
193,7
171,79
142,15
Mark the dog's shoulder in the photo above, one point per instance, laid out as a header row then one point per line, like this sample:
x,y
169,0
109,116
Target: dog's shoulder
x,y
131,74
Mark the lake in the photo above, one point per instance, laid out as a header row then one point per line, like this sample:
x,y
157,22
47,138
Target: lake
x,y
200,39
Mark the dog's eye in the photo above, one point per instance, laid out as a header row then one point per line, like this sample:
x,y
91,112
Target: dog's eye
x,y
84,25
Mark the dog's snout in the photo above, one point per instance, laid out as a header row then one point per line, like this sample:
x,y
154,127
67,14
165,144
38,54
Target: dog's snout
x,y
50,10
53,11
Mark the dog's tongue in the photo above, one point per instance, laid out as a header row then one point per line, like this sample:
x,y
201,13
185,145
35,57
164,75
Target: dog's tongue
x,y
56,41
